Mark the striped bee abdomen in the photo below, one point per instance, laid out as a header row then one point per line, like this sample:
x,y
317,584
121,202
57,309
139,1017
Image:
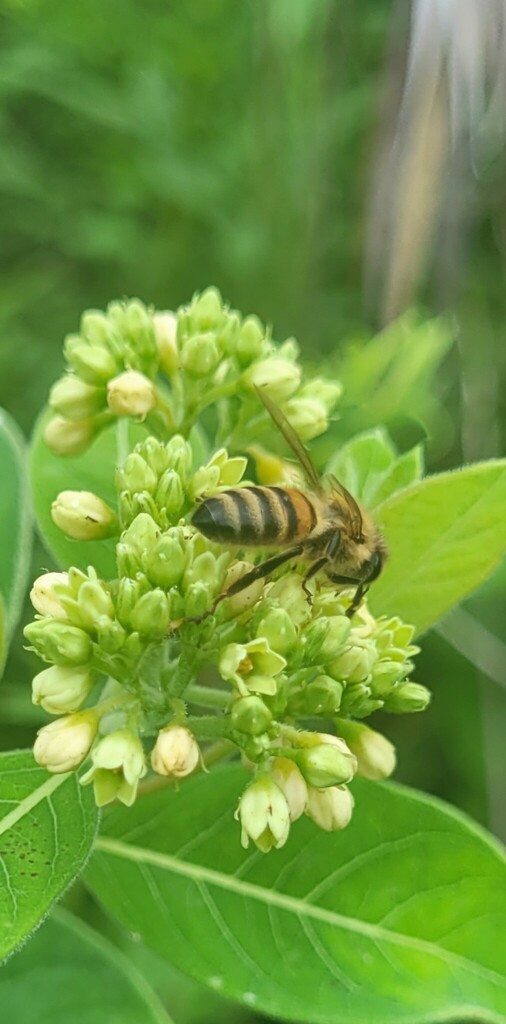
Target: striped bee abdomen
x,y
262,516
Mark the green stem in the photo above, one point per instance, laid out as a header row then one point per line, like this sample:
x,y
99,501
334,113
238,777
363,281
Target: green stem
x,y
208,727
207,696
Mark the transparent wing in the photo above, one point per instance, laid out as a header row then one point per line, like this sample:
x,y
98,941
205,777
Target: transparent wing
x,y
292,438
351,505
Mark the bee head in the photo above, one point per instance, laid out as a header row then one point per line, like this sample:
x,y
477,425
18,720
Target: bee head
x,y
372,566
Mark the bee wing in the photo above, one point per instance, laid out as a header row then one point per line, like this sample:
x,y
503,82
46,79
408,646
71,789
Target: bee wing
x,y
292,438
351,505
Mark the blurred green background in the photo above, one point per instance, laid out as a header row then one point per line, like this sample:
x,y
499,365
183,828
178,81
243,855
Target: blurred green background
x,y
151,149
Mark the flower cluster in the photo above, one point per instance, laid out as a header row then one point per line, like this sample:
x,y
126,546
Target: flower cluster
x,y
136,663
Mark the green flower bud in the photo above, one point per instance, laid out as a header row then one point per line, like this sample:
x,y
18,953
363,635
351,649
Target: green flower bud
x,y
287,776
264,815
97,329
63,745
92,363
59,643
226,334
407,697
179,456
325,391
151,615
69,437
197,600
200,355
374,753
170,494
131,394
358,701
250,715
83,516
307,416
59,690
111,636
385,675
118,765
338,631
204,569
154,453
165,325
207,309
279,377
331,809
325,760
278,629
175,753
251,340
135,475
128,561
356,662
255,748
128,594
141,535
94,604
43,597
165,562
72,398
322,696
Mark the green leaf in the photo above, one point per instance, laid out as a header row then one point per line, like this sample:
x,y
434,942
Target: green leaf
x,y
369,467
4,646
76,975
445,535
92,471
15,522
47,826
401,917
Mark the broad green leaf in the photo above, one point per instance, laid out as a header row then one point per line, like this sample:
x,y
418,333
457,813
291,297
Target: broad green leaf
x,y
91,471
47,826
445,536
369,467
400,918
15,522
68,972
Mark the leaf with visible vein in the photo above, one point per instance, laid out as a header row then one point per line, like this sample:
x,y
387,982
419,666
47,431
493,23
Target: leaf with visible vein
x,y
401,917
47,826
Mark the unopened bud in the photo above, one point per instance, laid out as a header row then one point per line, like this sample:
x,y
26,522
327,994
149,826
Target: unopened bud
x,y
94,364
136,475
250,715
338,631
279,377
94,603
97,329
356,662
358,701
278,629
69,437
176,752
264,815
73,398
151,615
43,597
59,643
118,765
131,394
331,809
83,516
323,696
179,456
61,690
374,753
170,494
287,776
204,569
325,391
165,325
251,340
386,674
165,562
326,763
63,745
207,309
307,416
141,536
246,598
200,355
407,697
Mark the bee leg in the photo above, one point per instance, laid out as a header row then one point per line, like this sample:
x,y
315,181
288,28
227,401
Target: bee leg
x,y
313,569
258,573
360,592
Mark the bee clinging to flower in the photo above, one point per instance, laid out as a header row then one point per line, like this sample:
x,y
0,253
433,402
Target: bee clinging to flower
x,y
324,526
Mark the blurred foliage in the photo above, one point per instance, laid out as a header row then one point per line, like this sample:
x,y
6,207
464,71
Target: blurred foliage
x,y
151,149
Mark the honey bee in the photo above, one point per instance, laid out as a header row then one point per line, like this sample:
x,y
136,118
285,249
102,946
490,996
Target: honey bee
x,y
324,527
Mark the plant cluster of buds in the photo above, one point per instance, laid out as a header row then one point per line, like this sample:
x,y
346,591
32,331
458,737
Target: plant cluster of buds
x,y
134,661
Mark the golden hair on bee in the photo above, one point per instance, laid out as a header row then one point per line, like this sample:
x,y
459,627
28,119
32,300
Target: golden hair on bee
x,y
323,526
